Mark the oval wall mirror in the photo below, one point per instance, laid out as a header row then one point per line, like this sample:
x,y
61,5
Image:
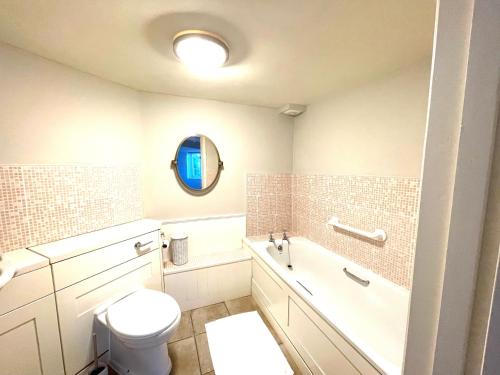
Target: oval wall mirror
x,y
197,164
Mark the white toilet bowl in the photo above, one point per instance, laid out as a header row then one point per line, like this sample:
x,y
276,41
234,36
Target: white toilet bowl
x,y
140,325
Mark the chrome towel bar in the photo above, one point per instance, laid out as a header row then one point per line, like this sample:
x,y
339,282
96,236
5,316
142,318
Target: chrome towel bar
x,y
377,234
358,279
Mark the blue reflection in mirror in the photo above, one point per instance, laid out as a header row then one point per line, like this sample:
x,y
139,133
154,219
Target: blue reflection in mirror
x,y
189,163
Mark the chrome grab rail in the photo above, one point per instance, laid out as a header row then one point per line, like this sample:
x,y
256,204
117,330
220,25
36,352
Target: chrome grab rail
x,y
376,235
358,279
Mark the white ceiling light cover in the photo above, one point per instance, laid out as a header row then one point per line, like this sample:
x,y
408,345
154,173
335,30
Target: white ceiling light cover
x,y
200,50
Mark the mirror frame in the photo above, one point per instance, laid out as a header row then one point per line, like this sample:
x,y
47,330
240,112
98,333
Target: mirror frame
x,y
185,187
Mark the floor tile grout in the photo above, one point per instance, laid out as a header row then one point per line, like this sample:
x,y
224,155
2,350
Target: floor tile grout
x,y
192,329
197,353
194,338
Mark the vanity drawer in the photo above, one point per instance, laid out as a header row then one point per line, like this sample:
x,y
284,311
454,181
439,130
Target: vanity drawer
x,y
72,270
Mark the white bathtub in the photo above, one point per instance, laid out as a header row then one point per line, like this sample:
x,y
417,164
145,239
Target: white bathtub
x,y
371,318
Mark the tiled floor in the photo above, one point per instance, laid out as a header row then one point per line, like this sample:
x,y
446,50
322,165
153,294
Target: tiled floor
x,y
188,348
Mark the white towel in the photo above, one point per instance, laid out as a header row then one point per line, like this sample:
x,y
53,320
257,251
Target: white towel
x,y
242,345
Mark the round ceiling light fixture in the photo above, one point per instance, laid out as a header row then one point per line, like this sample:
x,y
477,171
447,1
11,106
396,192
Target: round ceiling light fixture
x,y
200,49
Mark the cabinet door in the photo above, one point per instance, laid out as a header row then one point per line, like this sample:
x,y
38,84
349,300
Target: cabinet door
x,y
77,303
29,340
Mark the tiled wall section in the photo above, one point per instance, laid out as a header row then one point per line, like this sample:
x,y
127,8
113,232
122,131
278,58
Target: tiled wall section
x,y
269,203
44,203
365,202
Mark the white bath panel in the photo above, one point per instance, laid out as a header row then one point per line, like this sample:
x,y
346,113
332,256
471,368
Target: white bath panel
x,y
274,295
206,286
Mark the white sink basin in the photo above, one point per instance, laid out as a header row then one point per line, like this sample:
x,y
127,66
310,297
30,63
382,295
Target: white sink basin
x,y
7,271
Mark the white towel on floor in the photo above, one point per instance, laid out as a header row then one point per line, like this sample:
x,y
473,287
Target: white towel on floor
x,y
242,345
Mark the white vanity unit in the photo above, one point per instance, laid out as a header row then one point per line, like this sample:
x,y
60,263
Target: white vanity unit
x,y
29,335
91,269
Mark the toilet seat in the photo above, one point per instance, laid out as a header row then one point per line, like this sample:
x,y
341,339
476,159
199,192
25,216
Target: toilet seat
x,y
142,315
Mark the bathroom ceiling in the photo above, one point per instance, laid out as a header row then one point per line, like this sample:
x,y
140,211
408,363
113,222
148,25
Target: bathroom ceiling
x,y
282,51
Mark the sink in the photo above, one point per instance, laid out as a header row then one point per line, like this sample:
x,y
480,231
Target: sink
x,y
7,271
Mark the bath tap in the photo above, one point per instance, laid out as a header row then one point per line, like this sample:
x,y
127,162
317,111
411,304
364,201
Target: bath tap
x,y
271,238
285,238
273,241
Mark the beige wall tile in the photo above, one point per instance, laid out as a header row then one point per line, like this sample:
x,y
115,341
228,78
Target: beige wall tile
x,y
304,203
13,215
43,203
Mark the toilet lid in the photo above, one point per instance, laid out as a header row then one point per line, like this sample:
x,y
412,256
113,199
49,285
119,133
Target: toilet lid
x,y
142,314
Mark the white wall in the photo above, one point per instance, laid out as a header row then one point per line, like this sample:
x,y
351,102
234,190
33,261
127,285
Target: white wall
x,y
491,362
249,139
459,142
375,129
487,272
55,114
209,235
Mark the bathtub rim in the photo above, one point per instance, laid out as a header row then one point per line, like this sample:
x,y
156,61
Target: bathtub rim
x,y
379,362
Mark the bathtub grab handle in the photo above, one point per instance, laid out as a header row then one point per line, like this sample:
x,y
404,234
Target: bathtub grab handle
x,y
376,235
358,279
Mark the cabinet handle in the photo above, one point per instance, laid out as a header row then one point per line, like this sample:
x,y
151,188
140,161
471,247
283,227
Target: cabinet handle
x,y
138,245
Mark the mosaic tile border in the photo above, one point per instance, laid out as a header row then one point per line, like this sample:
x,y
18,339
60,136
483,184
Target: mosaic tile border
x,y
44,203
366,202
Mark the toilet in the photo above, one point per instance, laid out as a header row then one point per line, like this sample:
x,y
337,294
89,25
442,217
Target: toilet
x,y
140,325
